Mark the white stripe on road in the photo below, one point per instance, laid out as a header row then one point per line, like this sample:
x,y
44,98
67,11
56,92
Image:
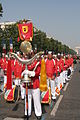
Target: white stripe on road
x,y
9,118
53,112
65,86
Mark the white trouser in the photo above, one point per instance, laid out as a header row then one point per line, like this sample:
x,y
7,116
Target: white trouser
x,y
2,75
5,80
35,93
64,81
17,81
66,77
22,91
39,77
72,68
61,78
52,85
58,82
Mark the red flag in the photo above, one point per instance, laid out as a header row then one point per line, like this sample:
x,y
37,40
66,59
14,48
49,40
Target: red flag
x,y
26,31
9,75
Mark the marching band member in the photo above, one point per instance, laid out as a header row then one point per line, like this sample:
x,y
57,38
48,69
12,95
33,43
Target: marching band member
x,y
4,63
5,72
1,67
50,71
17,71
59,71
62,70
66,67
71,64
33,90
57,91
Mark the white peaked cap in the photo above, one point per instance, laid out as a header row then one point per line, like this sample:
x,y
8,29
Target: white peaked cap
x,y
18,53
58,53
49,52
54,55
6,56
35,48
61,54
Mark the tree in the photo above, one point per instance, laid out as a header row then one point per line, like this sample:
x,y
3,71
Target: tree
x,y
1,10
40,40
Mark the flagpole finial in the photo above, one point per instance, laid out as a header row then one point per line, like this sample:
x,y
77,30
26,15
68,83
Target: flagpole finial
x,y
25,21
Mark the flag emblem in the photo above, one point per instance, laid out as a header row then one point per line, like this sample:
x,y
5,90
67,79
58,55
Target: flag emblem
x,y
25,29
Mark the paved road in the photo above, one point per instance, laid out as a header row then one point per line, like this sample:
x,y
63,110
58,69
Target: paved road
x,y
69,107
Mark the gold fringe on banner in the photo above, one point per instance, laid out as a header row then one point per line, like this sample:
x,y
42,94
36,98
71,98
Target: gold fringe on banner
x,y
43,78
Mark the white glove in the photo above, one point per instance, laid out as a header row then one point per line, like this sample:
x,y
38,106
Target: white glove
x,y
31,73
25,72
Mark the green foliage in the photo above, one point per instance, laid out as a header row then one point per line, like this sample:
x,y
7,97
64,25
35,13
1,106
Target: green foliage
x,y
10,31
40,40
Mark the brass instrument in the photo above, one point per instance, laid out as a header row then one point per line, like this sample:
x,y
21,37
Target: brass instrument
x,y
26,79
26,47
28,61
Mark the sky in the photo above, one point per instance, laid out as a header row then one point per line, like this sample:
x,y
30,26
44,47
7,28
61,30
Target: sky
x,y
60,19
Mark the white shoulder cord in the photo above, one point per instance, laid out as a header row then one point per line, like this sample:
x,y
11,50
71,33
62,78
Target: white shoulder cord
x,y
53,61
36,66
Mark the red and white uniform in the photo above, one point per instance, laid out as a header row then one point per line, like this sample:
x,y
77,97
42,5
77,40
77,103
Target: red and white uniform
x,y
17,69
35,79
50,71
17,72
62,74
34,90
3,63
72,64
50,68
58,79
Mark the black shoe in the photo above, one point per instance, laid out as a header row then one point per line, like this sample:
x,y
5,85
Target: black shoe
x,y
38,117
54,100
25,117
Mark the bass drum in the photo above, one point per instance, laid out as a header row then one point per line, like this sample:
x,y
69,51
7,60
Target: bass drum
x,y
12,95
